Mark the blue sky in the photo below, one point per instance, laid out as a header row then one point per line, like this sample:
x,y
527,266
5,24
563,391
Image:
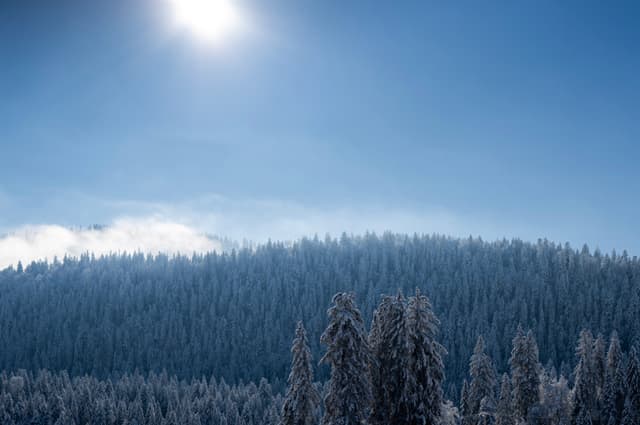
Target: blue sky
x,y
515,118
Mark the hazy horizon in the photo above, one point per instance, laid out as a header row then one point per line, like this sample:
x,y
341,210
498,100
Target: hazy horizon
x,y
279,119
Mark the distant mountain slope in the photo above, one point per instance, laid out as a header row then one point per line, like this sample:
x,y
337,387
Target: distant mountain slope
x,y
232,315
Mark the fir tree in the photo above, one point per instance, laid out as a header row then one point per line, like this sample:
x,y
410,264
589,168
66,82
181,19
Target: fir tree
x,y
599,363
302,398
465,405
349,390
483,378
525,373
425,365
555,403
504,410
388,339
584,392
613,392
633,382
600,371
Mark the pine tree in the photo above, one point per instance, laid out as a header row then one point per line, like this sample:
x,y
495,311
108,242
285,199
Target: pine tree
x,y
389,348
349,390
302,398
585,387
600,371
555,404
483,378
504,410
525,373
613,392
599,363
425,364
633,382
465,405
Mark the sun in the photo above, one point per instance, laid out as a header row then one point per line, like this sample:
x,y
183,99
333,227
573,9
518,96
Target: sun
x,y
209,20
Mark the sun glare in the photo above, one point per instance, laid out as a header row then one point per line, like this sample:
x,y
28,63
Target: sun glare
x,y
209,20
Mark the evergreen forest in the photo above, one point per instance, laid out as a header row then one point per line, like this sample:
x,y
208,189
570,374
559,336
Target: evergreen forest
x,y
419,330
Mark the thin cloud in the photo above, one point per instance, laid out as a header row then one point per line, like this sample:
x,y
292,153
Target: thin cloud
x,y
149,235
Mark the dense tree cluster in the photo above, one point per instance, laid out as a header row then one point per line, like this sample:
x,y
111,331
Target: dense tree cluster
x,y
230,315
56,399
393,375
134,400
605,390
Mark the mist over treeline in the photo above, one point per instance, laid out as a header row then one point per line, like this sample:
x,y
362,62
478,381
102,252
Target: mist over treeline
x,y
231,315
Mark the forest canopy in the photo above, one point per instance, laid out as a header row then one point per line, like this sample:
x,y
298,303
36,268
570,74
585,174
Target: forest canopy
x,y
231,315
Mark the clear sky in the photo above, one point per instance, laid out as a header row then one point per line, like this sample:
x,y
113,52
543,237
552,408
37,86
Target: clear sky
x,y
509,118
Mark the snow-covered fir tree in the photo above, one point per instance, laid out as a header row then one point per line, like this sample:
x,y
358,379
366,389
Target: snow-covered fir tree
x,y
465,405
585,387
483,377
425,365
633,384
554,406
525,373
348,396
504,409
302,398
599,364
388,339
613,392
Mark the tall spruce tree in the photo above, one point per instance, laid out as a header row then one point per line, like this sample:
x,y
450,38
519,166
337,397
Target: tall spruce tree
x,y
465,405
614,387
425,365
633,383
600,372
388,339
302,398
599,364
348,396
555,403
525,373
585,387
504,410
483,377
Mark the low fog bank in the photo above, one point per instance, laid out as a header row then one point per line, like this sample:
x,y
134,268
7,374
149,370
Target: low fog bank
x,y
150,235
